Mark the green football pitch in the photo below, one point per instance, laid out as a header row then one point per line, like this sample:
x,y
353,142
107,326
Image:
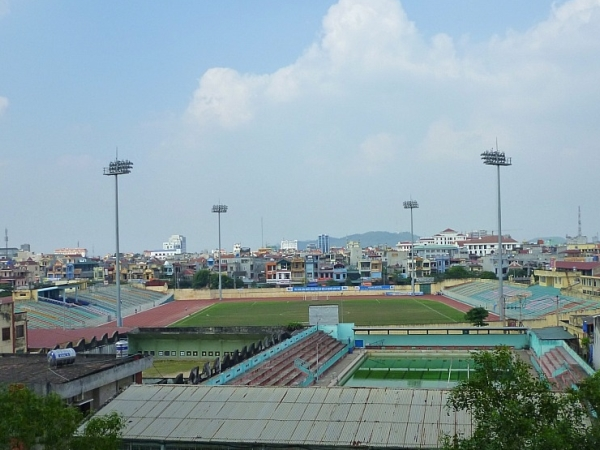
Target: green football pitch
x,y
362,312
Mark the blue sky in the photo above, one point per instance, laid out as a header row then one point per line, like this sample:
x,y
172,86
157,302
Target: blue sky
x,y
303,117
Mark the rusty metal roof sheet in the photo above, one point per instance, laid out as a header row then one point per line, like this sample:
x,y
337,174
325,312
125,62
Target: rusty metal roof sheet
x,y
379,418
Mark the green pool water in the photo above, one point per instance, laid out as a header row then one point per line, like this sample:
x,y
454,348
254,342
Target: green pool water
x,y
427,371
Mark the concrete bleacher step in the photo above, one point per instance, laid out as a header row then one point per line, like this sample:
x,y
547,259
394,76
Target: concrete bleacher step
x,y
281,369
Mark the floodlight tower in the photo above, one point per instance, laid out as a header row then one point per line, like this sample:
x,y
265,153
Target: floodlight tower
x,y
220,209
412,204
498,159
116,168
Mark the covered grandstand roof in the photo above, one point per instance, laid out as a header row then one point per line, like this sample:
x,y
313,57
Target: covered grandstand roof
x,y
286,416
552,333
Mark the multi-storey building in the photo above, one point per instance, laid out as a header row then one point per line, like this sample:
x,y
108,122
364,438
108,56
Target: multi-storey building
x,y
298,270
13,275
176,244
371,270
289,246
332,272
323,243
13,327
311,268
487,245
448,237
566,274
71,251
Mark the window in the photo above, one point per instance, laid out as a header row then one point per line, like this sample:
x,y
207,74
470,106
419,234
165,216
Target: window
x,y
203,353
6,334
195,352
181,353
210,353
167,353
20,331
160,353
152,352
217,353
173,353
189,353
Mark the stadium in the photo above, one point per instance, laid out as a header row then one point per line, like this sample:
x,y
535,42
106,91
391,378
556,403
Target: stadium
x,y
361,371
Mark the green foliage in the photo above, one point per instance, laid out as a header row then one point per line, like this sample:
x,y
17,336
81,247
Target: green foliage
x,y
201,279
477,316
27,420
207,278
101,433
457,272
487,275
5,290
293,326
226,281
185,284
515,410
518,273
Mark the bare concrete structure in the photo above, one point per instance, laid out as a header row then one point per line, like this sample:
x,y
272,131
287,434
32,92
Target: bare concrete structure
x,y
89,382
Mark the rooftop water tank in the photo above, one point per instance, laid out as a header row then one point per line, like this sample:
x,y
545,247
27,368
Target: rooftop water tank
x,y
61,357
122,348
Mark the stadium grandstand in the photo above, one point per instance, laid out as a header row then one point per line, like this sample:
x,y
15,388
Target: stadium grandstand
x,y
80,308
522,303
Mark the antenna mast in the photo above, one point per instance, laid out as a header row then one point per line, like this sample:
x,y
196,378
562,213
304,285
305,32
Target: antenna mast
x,y
579,221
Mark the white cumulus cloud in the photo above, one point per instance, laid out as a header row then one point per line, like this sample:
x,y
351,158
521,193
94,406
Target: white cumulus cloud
x,y
372,94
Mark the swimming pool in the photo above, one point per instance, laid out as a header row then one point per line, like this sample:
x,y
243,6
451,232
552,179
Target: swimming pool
x,y
434,370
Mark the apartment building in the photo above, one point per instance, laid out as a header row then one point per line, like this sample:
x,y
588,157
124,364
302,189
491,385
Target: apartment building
x,y
486,245
13,327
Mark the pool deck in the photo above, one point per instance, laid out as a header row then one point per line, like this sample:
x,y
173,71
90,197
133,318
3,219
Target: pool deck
x,y
337,371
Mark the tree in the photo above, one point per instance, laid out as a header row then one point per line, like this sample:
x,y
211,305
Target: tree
x,y
5,290
457,272
477,316
513,409
226,281
101,433
28,420
517,273
487,275
201,279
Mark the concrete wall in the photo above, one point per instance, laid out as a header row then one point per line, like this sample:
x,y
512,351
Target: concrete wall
x,y
206,294
447,341
194,347
100,385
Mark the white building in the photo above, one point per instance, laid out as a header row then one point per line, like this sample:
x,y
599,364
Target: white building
x,y
289,245
175,244
487,245
71,251
448,237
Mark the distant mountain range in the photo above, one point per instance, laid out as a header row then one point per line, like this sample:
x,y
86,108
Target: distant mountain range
x,y
550,240
369,239
379,238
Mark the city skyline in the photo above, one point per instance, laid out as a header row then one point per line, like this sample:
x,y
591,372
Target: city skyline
x,y
303,118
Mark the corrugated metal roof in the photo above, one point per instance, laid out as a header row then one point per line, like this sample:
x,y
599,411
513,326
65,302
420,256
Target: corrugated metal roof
x,y
400,418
